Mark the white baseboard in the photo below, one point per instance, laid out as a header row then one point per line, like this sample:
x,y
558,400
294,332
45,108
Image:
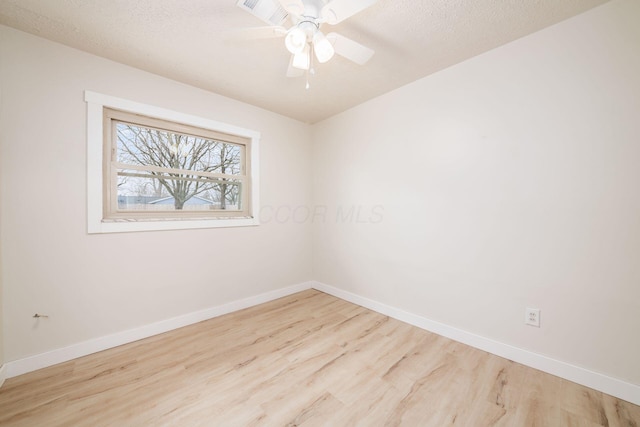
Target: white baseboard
x,y
615,387
38,361
3,374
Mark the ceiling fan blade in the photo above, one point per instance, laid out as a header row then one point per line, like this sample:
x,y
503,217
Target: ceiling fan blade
x,y
350,49
338,10
294,7
293,71
269,11
256,33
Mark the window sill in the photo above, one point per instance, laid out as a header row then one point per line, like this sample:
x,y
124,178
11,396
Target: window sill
x,y
127,225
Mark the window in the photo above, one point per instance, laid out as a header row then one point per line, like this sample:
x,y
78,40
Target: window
x,y
154,169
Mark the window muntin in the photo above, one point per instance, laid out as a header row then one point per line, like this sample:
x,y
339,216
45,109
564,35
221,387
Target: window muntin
x,y
155,169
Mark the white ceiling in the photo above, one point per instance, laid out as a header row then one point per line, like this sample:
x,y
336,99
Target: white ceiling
x,y
188,41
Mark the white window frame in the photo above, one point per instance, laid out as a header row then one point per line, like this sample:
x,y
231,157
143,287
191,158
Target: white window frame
x,y
96,223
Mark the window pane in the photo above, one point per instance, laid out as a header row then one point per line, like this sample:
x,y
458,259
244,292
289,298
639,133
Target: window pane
x,y
144,146
148,193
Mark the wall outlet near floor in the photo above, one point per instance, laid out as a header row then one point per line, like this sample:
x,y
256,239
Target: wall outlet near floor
x,y
532,317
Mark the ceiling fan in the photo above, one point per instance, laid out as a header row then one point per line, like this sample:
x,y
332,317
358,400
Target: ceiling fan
x,y
303,39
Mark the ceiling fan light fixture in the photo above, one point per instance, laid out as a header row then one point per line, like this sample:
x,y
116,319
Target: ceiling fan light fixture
x,y
302,60
296,40
322,47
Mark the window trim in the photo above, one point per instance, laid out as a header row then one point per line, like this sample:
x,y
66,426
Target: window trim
x,y
96,223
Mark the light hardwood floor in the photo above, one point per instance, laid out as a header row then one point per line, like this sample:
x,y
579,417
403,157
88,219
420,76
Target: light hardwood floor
x,y
305,360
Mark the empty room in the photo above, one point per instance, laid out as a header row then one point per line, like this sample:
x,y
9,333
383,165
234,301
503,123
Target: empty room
x,y
319,213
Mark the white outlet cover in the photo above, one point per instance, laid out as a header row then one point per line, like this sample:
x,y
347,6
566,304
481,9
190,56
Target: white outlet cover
x,y
532,317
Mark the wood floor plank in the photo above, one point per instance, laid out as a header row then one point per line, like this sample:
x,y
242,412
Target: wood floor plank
x,y
308,359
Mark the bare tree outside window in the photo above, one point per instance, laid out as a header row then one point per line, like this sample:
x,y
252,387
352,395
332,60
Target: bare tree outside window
x,y
177,167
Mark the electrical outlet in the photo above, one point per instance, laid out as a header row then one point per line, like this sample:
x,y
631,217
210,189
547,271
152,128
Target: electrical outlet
x,y
532,317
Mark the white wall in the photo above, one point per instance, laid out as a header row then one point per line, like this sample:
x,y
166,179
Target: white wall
x,y
94,285
2,366
2,324
507,181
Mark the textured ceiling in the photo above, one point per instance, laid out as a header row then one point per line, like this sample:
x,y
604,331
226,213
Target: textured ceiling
x,y
189,41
